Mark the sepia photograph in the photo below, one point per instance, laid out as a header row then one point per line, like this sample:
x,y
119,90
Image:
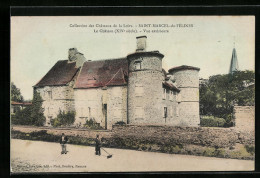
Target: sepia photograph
x,y
132,93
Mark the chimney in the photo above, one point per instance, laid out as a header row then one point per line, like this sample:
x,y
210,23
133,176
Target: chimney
x,y
141,43
75,56
72,54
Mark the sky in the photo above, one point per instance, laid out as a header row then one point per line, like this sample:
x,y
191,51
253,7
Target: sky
x,y
37,43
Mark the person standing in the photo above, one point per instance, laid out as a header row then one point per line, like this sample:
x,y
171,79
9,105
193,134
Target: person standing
x,y
98,145
63,142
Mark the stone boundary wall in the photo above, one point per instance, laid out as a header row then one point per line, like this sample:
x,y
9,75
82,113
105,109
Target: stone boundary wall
x,y
244,118
86,133
160,135
203,136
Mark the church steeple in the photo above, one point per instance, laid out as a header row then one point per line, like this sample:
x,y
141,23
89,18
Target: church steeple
x,y
234,62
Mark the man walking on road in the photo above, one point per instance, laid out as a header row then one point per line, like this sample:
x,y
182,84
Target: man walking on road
x,y
98,145
63,142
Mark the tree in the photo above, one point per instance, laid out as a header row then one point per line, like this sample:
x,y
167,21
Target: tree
x,y
16,94
31,115
37,115
222,92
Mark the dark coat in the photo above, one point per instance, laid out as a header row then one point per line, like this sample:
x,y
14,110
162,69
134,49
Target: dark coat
x,y
98,143
65,140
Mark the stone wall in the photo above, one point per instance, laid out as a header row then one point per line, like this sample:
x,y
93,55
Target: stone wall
x,y
145,97
147,63
244,118
116,105
170,103
90,104
163,135
56,98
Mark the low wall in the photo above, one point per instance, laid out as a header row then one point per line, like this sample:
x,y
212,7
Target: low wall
x,y
212,137
244,118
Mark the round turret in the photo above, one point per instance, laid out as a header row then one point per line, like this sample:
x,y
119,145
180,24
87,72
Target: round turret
x,y
144,85
187,80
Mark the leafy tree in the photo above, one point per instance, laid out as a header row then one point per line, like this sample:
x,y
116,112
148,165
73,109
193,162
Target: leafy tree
x,y
37,115
31,115
222,92
63,119
15,93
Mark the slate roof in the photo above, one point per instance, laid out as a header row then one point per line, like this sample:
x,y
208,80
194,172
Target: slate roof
x,y
183,67
102,73
171,86
60,74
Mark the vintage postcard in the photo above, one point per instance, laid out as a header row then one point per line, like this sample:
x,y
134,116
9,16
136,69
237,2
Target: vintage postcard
x,y
132,93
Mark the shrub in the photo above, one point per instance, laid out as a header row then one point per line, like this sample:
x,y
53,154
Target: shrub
x,y
175,149
211,121
220,152
241,153
209,152
63,119
120,123
92,124
250,149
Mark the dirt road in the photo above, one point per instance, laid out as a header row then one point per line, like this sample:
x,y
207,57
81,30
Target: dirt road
x,y
37,156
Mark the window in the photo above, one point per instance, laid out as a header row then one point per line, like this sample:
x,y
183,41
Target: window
x,y
139,90
165,112
50,94
171,95
164,93
178,110
137,65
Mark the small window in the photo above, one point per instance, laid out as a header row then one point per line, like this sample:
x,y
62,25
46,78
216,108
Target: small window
x,y
137,65
178,110
172,95
165,112
50,94
164,93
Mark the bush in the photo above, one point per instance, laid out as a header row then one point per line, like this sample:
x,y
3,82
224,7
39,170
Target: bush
x,y
211,121
92,124
120,123
63,119
250,149
209,152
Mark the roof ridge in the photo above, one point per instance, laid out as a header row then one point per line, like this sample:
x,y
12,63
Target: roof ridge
x,y
105,59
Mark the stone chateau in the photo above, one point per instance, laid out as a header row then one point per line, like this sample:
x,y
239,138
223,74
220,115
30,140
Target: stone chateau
x,y
134,89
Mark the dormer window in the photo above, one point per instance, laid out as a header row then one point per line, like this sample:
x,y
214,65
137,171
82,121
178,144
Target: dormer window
x,y
137,65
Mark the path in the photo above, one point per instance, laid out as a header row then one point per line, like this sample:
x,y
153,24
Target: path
x,y
34,156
